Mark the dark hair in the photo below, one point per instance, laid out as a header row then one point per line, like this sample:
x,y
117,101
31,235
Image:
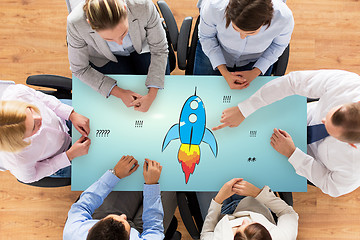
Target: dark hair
x,y
108,229
348,118
249,15
254,231
104,14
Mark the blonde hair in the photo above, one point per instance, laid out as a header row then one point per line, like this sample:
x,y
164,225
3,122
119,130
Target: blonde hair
x,y
12,125
104,14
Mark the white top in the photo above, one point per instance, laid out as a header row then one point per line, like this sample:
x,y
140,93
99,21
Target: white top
x,y
332,165
46,153
219,227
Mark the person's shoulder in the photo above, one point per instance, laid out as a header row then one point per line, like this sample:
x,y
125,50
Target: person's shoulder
x,y
215,5
282,10
136,5
77,15
15,90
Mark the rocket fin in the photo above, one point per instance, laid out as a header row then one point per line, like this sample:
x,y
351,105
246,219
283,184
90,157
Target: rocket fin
x,y
172,134
210,139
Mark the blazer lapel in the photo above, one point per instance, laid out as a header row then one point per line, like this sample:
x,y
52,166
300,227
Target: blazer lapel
x,y
102,45
134,32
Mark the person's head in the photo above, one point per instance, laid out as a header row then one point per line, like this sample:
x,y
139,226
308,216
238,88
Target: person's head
x,y
112,227
343,122
252,231
18,121
108,18
248,16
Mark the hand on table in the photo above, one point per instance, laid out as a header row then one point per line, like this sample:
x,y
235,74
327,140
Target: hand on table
x,y
231,117
126,96
247,76
79,148
143,103
152,171
80,122
226,190
244,188
282,142
126,166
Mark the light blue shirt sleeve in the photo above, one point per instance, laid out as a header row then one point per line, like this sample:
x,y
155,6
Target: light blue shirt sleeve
x,y
209,18
80,215
153,213
276,48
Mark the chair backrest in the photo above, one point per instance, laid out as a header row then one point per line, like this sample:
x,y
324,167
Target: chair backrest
x,y
3,86
71,4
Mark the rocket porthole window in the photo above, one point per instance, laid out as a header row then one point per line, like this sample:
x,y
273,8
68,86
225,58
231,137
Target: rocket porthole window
x,y
194,105
192,118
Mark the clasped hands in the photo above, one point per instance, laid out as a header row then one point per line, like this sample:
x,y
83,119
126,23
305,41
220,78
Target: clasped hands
x,y
236,186
239,79
133,99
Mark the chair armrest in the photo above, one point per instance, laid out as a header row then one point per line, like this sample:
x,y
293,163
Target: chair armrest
x,y
282,62
192,49
183,42
170,22
50,81
185,203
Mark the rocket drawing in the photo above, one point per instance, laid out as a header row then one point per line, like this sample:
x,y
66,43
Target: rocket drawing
x,y
191,130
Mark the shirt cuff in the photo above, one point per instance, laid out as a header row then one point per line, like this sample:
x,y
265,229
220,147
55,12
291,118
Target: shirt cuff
x,y
108,95
295,158
151,190
110,179
264,194
153,86
263,64
62,161
246,109
64,111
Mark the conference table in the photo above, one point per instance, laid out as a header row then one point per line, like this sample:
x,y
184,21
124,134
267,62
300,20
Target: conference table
x,y
198,102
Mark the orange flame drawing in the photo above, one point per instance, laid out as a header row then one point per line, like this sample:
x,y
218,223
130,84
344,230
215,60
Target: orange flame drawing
x,y
188,156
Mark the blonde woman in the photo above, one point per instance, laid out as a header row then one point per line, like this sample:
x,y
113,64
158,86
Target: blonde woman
x,y
118,37
34,139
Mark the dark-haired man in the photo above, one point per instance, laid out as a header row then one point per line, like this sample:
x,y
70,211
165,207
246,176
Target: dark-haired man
x,y
82,222
333,160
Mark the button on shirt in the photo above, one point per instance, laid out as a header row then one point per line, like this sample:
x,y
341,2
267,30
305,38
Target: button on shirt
x,y
224,46
46,153
332,165
80,215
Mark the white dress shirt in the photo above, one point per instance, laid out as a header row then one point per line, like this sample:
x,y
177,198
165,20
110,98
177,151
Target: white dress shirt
x,y
224,46
46,153
330,164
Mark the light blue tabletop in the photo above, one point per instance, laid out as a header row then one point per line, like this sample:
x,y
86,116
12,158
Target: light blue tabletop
x,y
243,152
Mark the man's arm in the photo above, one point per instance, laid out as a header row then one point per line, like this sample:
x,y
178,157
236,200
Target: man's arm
x,y
334,183
80,215
89,201
153,213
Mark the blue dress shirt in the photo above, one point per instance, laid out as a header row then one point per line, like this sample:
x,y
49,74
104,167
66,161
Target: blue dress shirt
x,y
122,50
224,46
80,215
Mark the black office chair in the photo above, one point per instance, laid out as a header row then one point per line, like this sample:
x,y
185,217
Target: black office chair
x,y
186,54
191,215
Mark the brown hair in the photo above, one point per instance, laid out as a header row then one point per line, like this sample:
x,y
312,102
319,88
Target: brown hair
x,y
254,231
348,118
104,14
12,125
249,15
108,229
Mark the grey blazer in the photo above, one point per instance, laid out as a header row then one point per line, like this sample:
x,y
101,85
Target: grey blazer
x,y
85,45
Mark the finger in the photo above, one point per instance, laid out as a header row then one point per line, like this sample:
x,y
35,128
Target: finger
x,y
284,133
273,139
81,139
272,144
245,85
136,95
134,168
130,158
160,168
277,133
135,103
220,126
145,166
